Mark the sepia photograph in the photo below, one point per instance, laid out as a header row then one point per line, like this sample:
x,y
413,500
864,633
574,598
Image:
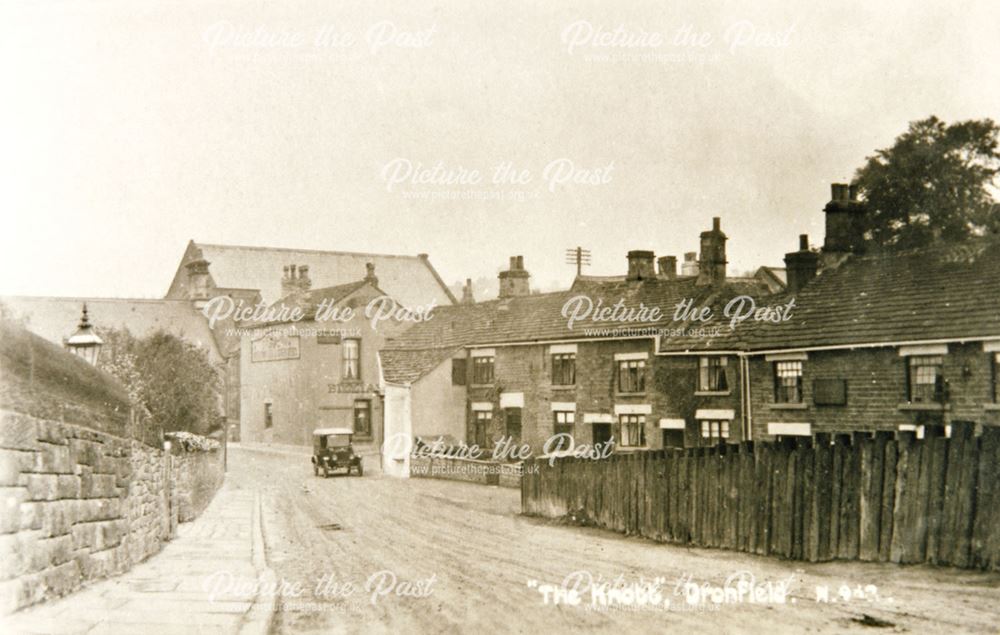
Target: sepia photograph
x,y
453,317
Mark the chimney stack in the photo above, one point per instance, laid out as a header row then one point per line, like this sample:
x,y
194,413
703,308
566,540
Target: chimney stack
x,y
198,284
640,265
370,276
712,260
514,281
690,265
801,265
295,279
668,267
845,220
467,296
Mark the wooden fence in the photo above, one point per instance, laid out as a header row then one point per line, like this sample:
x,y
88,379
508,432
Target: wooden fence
x,y
861,497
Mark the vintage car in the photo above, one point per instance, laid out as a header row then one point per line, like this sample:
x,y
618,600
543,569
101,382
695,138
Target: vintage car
x,y
332,451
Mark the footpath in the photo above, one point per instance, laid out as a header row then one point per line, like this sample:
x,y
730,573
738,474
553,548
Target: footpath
x,y
211,578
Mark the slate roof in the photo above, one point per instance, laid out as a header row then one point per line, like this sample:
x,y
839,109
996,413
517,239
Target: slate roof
x,y
942,292
56,318
310,300
539,317
411,280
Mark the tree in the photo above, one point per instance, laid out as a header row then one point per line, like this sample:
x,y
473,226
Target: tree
x,y
172,379
936,181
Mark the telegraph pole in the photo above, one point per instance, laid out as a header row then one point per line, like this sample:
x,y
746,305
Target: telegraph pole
x,y
578,257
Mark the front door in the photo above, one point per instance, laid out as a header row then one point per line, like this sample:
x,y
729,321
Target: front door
x,y
602,433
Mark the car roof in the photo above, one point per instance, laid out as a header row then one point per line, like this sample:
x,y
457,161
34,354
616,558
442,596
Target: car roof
x,y
326,431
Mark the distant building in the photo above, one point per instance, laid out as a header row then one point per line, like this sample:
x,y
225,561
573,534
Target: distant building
x,y
513,367
244,274
316,372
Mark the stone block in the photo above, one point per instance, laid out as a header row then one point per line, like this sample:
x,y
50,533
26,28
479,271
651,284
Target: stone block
x,y
98,486
83,535
13,596
43,487
57,518
11,499
12,464
84,452
53,459
108,534
52,432
68,486
31,515
15,557
17,431
62,579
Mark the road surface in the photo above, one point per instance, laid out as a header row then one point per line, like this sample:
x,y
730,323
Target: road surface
x,y
377,554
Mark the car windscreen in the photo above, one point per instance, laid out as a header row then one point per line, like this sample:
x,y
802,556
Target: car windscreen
x,y
338,440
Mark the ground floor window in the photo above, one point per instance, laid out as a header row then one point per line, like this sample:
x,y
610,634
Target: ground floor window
x,y
363,417
673,438
563,422
632,430
925,379
714,432
481,428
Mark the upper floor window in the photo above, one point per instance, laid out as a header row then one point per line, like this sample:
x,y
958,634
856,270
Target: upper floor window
x,y
788,382
926,382
564,369
482,370
713,374
632,430
352,359
268,415
632,375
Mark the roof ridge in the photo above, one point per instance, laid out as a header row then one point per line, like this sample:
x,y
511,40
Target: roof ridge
x,y
95,298
315,251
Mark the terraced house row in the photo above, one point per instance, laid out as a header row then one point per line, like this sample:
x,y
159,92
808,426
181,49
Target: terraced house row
x,y
845,338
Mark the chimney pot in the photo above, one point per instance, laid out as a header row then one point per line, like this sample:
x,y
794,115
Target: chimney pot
x,y
520,263
803,242
716,224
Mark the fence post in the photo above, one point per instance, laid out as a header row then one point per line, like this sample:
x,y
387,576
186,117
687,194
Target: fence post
x,y
986,530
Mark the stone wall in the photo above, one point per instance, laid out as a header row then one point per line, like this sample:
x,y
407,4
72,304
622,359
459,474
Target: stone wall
x,y
198,476
79,505
81,497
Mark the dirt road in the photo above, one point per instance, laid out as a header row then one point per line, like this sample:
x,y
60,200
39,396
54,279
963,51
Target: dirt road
x,y
435,556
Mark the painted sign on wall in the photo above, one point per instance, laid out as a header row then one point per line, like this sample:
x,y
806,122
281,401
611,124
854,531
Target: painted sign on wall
x,y
273,346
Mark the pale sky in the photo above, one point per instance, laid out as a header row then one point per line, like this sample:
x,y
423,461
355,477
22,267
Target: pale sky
x,y
129,127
